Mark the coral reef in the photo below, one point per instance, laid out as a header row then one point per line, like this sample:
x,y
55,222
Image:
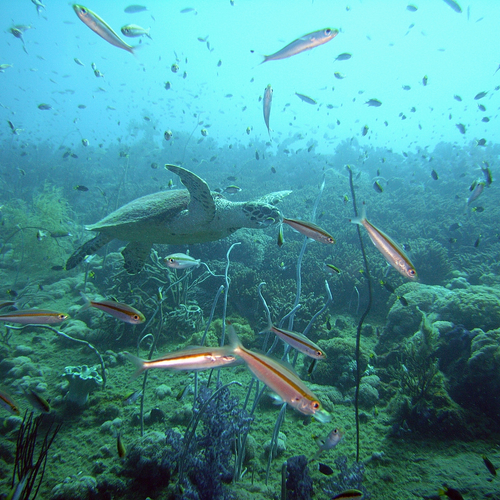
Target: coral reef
x,y
475,385
476,306
348,478
76,488
299,485
147,464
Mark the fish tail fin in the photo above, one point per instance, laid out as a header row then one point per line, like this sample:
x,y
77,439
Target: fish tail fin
x,y
360,218
86,305
139,364
234,339
268,328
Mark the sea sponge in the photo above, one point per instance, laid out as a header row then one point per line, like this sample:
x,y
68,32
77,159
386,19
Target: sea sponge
x,y
82,381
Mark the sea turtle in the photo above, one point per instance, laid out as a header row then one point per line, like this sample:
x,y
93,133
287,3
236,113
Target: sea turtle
x,y
183,216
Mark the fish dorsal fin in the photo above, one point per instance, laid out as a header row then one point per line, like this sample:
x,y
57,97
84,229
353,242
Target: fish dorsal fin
x,y
201,205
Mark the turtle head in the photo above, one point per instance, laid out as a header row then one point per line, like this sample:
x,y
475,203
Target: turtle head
x,y
260,215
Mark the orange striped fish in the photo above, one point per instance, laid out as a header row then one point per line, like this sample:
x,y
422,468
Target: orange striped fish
x,y
193,358
280,379
120,311
310,230
299,342
391,251
34,317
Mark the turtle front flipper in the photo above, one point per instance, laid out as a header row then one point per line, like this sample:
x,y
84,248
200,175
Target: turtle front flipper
x,y
201,204
135,254
89,248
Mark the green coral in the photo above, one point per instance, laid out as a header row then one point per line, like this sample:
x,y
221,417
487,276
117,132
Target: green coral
x,y
419,367
48,211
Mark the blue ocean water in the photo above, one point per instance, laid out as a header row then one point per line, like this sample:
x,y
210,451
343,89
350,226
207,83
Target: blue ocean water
x,y
86,127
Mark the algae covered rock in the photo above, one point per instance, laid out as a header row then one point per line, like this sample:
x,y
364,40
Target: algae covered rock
x,y
368,396
477,386
404,321
342,372
75,488
474,307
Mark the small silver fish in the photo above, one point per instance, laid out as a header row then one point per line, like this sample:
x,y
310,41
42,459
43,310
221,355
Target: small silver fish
x,y
305,42
99,26
133,30
332,440
267,101
181,261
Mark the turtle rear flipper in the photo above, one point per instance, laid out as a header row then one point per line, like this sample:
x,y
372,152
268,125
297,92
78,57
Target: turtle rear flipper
x,y
89,248
135,254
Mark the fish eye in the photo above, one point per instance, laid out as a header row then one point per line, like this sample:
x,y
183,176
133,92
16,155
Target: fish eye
x,y
315,405
83,10
328,31
319,353
136,317
331,240
412,272
62,316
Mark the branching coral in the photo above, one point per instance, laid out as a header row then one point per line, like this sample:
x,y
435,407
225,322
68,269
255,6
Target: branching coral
x,y
419,367
204,460
431,260
348,478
